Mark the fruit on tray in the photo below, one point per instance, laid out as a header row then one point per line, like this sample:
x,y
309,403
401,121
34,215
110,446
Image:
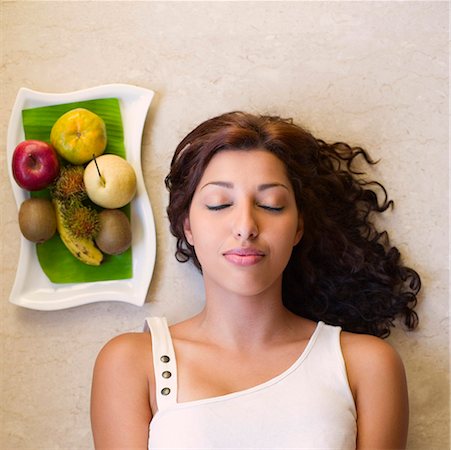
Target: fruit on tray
x,y
84,201
83,249
81,220
70,184
110,181
37,220
35,165
78,135
115,234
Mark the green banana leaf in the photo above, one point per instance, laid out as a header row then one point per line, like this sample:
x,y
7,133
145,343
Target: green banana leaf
x,y
56,261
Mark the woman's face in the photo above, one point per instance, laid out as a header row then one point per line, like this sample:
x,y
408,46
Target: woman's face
x,y
243,222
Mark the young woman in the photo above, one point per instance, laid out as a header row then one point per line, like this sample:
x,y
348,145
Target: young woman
x,y
280,225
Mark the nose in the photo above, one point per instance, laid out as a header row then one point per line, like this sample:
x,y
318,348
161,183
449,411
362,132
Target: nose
x,y
245,226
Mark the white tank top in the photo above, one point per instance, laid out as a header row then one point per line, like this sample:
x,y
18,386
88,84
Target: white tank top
x,y
308,406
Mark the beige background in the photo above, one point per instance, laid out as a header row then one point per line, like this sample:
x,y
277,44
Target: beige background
x,y
371,73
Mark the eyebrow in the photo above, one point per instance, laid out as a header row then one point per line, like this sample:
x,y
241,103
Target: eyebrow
x,y
260,188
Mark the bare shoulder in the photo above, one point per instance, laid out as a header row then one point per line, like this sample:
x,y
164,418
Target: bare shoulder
x,y
362,342
128,348
125,359
121,392
364,352
378,383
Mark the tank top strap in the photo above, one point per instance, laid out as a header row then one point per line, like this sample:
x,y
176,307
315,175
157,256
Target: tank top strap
x,y
165,367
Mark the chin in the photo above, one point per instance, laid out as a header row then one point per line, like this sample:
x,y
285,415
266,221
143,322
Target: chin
x,y
250,287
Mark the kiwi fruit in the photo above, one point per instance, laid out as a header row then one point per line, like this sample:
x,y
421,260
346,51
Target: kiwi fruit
x,y
37,220
115,234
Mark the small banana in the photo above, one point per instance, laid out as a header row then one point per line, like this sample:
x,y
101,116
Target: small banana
x,y
82,248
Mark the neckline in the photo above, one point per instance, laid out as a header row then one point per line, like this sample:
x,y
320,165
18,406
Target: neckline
x,y
250,390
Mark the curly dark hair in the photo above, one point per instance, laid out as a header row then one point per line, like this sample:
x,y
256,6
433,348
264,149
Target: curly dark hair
x,y
344,271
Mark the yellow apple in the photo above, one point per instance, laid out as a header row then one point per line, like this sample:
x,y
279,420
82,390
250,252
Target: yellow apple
x,y
110,181
78,135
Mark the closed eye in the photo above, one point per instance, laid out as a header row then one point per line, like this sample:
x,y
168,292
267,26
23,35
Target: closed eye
x,y
226,205
218,207
272,208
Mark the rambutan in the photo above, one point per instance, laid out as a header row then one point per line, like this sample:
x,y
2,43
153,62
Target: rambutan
x,y
70,184
82,221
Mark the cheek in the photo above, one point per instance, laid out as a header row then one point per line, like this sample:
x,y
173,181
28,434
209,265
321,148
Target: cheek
x,y
291,230
202,234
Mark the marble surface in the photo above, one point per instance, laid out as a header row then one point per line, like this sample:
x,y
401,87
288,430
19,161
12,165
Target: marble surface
x,y
371,73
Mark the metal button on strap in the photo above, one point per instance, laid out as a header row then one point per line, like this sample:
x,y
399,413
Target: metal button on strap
x,y
166,374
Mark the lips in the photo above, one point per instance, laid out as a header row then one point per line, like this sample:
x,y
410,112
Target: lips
x,y
244,256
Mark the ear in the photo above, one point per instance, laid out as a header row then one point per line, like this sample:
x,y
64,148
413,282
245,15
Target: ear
x,y
300,230
187,231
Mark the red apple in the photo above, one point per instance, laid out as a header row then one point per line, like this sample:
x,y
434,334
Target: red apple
x,y
35,165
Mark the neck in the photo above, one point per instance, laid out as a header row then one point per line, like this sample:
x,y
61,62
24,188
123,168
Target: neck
x,y
235,320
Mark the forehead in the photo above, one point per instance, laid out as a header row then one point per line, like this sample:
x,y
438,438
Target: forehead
x,y
256,165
